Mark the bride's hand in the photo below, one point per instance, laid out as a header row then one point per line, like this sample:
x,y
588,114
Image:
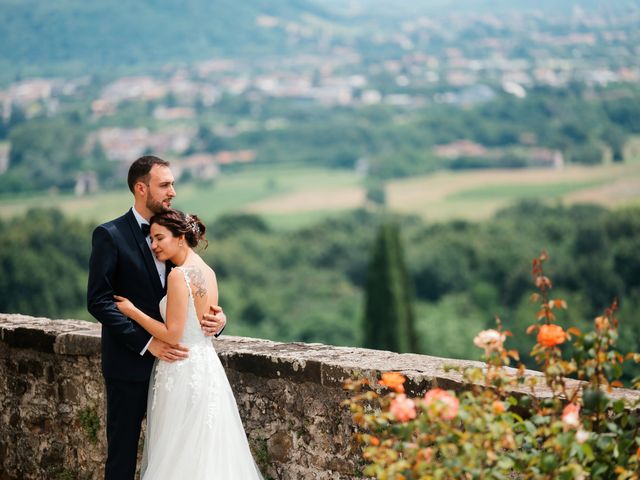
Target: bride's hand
x,y
125,306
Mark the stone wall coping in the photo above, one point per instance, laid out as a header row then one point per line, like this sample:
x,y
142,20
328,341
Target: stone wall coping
x,y
299,362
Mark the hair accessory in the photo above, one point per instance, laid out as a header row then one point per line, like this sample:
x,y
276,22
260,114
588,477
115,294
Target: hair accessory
x,y
192,224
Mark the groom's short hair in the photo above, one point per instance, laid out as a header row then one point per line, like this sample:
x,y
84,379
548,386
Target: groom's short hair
x,y
139,170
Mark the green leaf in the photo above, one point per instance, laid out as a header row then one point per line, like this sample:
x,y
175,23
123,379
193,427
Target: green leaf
x,y
604,443
588,451
599,469
618,406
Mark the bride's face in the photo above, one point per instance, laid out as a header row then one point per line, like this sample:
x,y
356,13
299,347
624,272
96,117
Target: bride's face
x,y
164,244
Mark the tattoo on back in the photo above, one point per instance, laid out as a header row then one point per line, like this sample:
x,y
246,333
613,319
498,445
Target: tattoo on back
x,y
198,282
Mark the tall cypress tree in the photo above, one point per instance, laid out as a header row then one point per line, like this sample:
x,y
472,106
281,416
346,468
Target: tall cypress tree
x,y
388,322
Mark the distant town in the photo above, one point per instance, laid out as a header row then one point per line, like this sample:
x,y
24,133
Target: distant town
x,y
459,60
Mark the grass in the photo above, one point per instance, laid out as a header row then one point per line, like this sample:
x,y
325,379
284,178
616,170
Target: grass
x,y
475,195
516,192
292,197
230,192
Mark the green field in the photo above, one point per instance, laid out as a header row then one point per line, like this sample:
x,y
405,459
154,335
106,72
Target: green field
x,y
516,192
292,197
228,193
475,195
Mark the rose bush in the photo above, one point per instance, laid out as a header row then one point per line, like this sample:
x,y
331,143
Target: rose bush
x,y
497,428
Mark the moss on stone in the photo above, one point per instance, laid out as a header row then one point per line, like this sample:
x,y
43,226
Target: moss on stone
x,y
90,422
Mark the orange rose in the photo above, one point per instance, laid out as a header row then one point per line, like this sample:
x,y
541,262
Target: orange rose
x,y
498,407
551,335
403,408
393,380
602,323
374,441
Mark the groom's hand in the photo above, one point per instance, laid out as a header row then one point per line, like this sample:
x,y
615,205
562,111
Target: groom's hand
x,y
166,352
213,321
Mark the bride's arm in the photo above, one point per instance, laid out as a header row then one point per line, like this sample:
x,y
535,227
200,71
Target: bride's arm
x,y
177,298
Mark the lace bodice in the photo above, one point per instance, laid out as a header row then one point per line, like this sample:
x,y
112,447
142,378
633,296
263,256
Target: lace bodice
x,y
197,366
192,334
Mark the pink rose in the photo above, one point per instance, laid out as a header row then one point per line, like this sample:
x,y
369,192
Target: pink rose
x,y
442,403
582,436
571,415
426,454
489,340
403,408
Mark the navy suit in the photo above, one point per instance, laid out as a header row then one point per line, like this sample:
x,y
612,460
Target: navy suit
x,y
122,264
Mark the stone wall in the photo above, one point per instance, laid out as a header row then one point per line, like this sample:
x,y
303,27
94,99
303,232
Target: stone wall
x,y
289,396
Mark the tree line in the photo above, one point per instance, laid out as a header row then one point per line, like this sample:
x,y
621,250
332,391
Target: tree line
x,y
308,285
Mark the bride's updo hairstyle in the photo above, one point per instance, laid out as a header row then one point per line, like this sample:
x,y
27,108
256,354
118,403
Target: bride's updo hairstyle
x,y
180,223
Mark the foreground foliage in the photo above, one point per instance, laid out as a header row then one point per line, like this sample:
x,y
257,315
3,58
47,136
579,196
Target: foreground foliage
x,y
494,429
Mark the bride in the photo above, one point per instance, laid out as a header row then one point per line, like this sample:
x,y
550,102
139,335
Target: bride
x,y
193,430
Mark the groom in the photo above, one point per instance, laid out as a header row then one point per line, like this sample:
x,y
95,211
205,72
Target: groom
x,y
122,264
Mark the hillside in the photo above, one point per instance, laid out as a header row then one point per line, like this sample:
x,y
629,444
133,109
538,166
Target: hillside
x,y
72,36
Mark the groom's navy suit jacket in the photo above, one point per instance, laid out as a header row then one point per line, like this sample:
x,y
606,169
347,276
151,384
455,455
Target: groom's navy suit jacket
x,y
122,264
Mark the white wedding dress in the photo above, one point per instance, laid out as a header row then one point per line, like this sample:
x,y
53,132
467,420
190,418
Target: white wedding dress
x,y
194,430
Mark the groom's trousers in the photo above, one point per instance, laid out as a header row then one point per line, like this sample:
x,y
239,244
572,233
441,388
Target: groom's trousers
x,y
126,407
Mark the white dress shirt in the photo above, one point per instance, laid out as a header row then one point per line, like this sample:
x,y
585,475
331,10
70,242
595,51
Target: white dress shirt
x,y
160,266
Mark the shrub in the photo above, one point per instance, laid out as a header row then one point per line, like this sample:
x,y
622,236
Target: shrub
x,y
496,428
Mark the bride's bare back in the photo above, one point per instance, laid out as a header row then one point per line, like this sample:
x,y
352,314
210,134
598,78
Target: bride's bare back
x,y
203,283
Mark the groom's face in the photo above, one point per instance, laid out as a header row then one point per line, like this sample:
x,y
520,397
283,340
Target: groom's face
x,y
160,190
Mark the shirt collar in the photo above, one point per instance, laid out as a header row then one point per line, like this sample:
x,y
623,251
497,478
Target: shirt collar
x,y
139,218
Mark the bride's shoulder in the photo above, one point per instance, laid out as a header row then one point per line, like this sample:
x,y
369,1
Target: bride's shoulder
x,y
197,278
205,269
196,273
178,273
